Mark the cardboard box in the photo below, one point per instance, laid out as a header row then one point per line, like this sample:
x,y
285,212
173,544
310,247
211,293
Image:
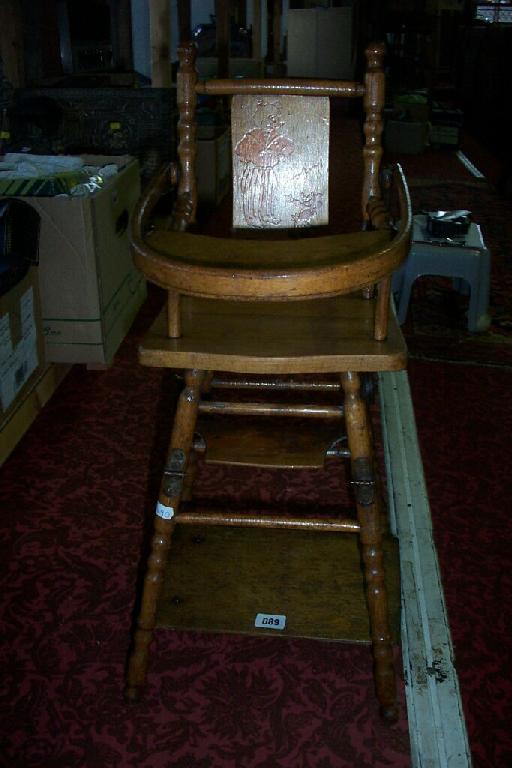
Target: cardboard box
x,y
444,136
90,289
21,343
414,105
402,136
33,398
446,126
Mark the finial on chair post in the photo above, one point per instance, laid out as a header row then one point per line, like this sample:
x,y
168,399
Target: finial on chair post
x,y
187,56
186,203
375,53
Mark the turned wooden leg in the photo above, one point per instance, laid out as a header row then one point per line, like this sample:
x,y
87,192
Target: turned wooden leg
x,y
363,477
190,475
171,490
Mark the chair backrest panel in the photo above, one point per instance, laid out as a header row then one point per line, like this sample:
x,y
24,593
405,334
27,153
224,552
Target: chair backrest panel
x,y
269,142
280,160
371,91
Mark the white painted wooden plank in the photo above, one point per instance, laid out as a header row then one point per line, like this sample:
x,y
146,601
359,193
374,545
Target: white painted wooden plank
x,y
436,721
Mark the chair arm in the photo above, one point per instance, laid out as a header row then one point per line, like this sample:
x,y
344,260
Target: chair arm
x,y
379,208
163,181
378,214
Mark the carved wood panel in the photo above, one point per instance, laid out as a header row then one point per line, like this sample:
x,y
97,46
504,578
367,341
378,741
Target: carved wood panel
x,y
280,161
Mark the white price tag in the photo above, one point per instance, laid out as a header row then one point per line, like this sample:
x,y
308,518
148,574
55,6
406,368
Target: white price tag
x,y
167,513
270,621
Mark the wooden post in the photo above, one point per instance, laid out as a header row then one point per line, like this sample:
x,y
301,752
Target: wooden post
x,y
184,21
168,504
223,36
173,315
185,209
276,35
11,42
256,29
373,125
159,25
372,554
121,14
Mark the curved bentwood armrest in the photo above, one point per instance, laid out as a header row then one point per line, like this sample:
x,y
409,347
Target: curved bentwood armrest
x,y
251,270
403,226
163,181
380,213
380,218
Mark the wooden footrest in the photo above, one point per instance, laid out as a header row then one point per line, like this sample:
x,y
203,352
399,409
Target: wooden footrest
x,y
270,442
218,579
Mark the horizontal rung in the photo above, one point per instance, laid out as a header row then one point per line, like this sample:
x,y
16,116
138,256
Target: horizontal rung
x,y
344,88
272,409
320,524
277,384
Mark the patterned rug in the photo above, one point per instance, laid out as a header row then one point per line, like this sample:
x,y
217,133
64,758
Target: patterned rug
x,y
464,422
76,495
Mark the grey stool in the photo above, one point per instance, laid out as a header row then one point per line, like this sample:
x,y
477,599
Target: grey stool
x,y
467,261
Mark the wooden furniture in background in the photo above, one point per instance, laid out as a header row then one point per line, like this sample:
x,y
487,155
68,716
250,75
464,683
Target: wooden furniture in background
x,y
222,21
321,42
256,29
159,25
11,42
277,313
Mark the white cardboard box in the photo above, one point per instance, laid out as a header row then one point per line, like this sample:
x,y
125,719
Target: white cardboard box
x,y
90,289
21,343
407,137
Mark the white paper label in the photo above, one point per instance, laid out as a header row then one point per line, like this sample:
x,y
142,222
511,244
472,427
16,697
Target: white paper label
x,y
167,513
270,621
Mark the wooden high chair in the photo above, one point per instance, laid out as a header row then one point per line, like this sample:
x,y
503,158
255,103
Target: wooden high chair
x,y
271,311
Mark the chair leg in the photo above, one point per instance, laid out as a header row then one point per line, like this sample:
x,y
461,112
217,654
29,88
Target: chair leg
x,y
190,475
363,477
169,499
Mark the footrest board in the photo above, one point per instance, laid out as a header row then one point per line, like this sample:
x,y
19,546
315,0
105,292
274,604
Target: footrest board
x,y
273,442
219,579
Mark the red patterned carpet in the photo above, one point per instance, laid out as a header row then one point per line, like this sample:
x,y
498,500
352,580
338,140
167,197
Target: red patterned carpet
x,y
74,496
464,420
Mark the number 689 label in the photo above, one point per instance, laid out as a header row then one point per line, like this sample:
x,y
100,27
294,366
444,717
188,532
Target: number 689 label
x,y
270,621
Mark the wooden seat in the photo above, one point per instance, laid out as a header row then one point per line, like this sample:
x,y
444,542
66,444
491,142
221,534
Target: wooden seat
x,y
319,336
289,318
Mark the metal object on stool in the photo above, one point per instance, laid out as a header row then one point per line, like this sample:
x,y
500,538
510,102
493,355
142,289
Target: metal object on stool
x,y
463,259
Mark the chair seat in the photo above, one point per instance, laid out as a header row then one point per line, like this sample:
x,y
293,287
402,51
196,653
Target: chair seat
x,y
318,336
215,267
